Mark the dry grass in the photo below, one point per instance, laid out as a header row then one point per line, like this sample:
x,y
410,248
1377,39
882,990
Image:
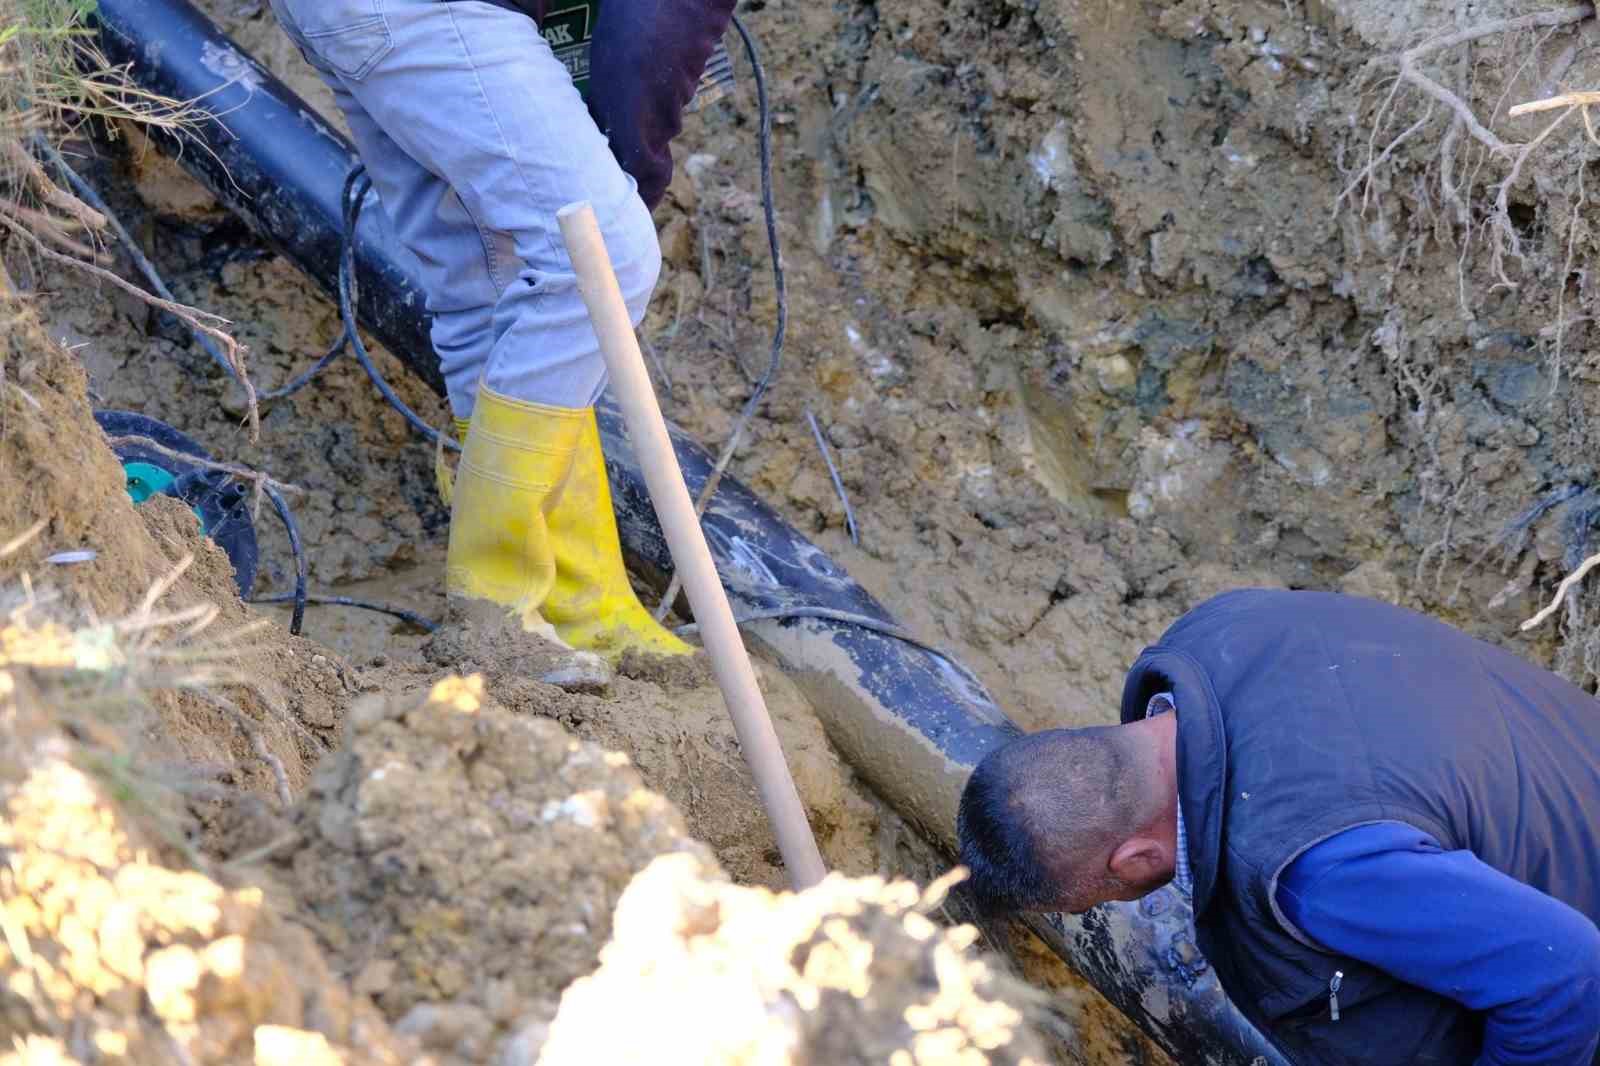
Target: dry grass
x,y
101,674
54,77
53,80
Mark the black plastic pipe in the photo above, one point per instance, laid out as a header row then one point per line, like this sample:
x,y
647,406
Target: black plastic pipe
x,y
911,721
268,158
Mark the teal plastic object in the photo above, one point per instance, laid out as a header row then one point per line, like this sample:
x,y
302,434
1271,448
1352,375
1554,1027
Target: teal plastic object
x,y
155,461
146,480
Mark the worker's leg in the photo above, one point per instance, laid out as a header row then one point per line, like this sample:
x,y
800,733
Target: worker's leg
x,y
472,93
421,209
460,110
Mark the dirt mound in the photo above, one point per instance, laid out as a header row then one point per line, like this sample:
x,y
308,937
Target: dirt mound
x,y
148,571
461,862
115,952
674,725
849,972
452,873
57,470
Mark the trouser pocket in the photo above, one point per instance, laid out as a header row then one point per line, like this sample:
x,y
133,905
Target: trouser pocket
x,y
350,36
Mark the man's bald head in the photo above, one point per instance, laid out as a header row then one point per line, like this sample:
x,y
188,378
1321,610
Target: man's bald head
x,y
1064,819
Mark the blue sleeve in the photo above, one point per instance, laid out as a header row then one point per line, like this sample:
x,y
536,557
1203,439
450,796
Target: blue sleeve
x,y
1388,895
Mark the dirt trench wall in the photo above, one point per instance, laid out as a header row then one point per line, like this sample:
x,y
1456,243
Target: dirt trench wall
x,y
1135,247
1079,308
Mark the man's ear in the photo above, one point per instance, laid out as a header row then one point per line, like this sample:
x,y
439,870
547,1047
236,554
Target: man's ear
x,y
1138,860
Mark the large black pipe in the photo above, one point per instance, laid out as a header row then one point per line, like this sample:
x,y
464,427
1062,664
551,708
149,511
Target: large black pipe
x,y
271,160
911,721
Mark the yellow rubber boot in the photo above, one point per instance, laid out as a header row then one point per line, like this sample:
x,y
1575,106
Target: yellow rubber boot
x,y
532,528
593,605
515,460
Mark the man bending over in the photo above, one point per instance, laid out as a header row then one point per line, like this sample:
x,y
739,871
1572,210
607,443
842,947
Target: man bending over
x,y
1389,831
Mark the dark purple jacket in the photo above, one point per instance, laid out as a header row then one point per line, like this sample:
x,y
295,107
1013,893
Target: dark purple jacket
x,y
646,60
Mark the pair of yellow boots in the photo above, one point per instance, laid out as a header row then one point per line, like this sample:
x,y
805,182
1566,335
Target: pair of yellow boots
x,y
532,528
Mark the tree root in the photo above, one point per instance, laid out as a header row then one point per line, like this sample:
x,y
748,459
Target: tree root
x,y
1561,592
202,321
1499,231
1412,74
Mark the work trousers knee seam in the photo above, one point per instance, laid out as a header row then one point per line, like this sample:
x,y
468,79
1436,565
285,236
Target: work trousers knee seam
x,y
500,131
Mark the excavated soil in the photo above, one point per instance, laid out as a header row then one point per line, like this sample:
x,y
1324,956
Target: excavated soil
x,y
1094,334
1102,309
205,722
116,951
442,897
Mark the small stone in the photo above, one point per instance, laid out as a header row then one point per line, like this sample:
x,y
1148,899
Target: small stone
x,y
171,977
677,242
121,942
376,977
583,672
523,1048
233,400
317,713
446,1026
279,1045
590,809
1115,373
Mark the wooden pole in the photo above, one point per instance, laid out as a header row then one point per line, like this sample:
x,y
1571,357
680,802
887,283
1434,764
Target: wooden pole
x,y
630,382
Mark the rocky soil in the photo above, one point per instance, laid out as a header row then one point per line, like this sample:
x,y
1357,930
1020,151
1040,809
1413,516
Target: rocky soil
x,y
1107,306
434,902
1102,308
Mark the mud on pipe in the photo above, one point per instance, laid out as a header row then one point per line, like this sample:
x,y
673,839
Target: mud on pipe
x,y
912,722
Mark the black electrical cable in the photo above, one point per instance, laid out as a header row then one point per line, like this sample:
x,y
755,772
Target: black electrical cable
x,y
401,613
88,195
298,615
356,186
770,210
860,621
342,341
335,350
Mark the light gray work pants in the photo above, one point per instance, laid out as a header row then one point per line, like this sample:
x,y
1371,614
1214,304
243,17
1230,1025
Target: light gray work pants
x,y
475,136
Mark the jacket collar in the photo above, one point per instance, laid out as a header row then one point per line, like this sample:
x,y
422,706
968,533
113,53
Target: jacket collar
x,y
1201,755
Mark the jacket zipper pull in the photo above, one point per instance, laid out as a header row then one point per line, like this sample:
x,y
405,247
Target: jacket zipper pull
x,y
1333,993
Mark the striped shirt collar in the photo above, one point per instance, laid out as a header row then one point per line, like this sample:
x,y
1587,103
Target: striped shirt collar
x,y
1182,875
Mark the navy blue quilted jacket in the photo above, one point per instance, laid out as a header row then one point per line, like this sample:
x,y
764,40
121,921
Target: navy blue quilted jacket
x,y
1304,714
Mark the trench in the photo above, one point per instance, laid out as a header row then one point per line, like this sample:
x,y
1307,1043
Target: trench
x,y
1052,451
910,721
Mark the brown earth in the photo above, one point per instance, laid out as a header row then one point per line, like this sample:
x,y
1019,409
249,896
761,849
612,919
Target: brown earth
x,y
121,944
1094,333
245,680
460,862
1098,308
188,712
1116,344
451,874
